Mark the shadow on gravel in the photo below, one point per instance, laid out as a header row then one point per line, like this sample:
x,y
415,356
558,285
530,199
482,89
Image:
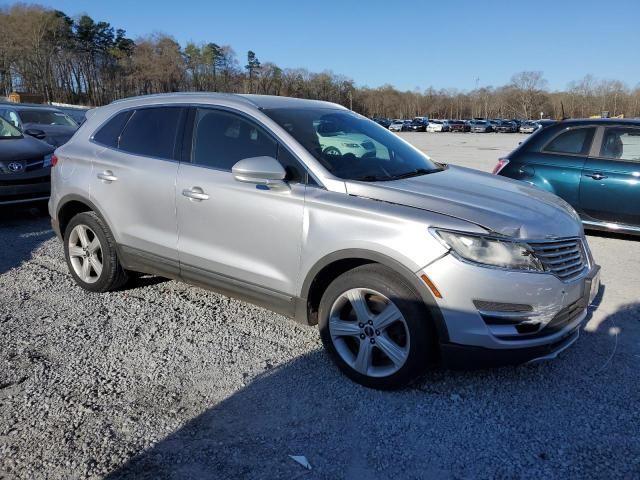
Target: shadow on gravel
x,y
22,230
572,417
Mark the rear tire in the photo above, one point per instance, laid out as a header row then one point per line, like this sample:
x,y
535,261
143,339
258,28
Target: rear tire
x,y
90,252
386,340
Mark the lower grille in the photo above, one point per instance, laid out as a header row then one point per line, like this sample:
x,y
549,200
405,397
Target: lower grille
x,y
566,259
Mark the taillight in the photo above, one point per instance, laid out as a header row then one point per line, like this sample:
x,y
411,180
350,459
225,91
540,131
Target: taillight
x,y
54,160
503,162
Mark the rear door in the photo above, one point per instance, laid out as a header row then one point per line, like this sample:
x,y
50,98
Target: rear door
x,y
610,183
557,165
134,180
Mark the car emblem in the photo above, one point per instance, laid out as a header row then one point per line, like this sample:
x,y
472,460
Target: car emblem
x,y
15,167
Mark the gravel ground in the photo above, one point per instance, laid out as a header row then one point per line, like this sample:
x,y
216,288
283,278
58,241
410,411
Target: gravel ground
x,y
163,380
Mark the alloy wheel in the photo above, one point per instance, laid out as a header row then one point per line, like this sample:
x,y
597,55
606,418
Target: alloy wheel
x,y
369,332
85,253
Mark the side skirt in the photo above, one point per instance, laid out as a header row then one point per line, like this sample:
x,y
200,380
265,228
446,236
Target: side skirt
x,y
145,262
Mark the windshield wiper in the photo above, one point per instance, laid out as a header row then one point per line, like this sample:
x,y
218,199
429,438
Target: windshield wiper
x,y
371,178
413,173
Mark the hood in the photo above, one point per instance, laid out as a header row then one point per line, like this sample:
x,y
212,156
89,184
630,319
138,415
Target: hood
x,y
56,134
500,205
21,149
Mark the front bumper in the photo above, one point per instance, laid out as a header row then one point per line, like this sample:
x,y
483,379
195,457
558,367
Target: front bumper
x,y
456,356
557,310
30,191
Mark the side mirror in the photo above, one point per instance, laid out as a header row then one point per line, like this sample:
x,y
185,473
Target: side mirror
x,y
265,171
34,132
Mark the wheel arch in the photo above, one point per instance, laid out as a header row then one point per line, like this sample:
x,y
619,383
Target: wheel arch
x,y
325,270
73,204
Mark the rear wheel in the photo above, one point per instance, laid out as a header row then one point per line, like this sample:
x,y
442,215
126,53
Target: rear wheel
x,y
376,327
91,254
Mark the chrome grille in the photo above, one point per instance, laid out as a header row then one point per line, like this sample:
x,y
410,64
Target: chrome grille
x,y
564,258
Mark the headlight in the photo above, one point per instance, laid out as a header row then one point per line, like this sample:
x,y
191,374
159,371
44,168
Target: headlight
x,y
491,251
351,145
47,161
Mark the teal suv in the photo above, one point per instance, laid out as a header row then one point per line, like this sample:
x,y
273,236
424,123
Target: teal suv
x,y
592,164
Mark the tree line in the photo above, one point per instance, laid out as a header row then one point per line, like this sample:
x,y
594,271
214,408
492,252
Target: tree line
x,y
88,62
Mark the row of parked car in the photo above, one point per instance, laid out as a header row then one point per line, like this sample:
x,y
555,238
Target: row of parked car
x,y
475,125
28,136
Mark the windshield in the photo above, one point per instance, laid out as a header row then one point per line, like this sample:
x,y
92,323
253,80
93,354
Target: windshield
x,y
46,117
352,147
8,131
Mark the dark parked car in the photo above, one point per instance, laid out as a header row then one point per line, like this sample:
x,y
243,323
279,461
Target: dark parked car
x,y
418,126
506,126
25,166
593,164
46,123
458,126
480,126
77,114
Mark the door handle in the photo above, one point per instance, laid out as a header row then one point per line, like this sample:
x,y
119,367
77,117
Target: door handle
x,y
107,176
195,193
596,175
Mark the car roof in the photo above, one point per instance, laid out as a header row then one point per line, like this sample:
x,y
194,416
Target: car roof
x,y
20,106
600,121
258,101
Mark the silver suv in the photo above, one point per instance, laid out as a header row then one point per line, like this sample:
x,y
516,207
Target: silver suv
x,y
400,260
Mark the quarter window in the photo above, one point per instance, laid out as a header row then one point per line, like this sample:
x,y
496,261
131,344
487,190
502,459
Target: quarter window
x,y
221,139
295,172
621,144
576,141
152,132
109,133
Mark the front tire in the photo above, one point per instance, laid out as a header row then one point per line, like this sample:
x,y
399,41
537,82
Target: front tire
x,y
376,327
90,252
331,152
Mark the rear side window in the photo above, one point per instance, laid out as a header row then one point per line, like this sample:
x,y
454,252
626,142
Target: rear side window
x,y
621,144
221,139
152,132
576,141
109,134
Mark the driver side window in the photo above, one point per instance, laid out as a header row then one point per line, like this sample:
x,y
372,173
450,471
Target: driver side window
x,y
221,139
621,143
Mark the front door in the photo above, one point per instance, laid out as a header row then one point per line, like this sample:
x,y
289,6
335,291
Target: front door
x,y
610,183
238,237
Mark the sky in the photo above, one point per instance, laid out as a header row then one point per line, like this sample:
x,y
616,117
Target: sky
x,y
457,44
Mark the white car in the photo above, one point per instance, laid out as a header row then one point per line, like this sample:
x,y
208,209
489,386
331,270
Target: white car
x,y
334,141
396,125
435,126
529,127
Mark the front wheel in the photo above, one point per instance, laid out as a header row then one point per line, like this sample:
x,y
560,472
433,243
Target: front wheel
x,y
331,152
376,327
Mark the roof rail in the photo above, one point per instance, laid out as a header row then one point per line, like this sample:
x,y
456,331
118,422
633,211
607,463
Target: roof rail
x,y
187,94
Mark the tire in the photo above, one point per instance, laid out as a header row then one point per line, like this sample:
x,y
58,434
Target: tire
x,y
331,151
84,252
406,332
